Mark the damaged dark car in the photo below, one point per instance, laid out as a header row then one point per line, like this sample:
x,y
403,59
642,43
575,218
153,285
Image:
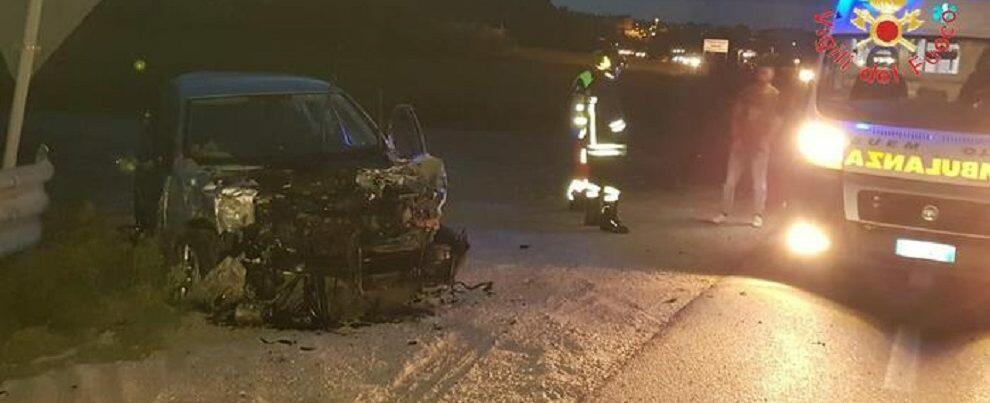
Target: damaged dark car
x,y
280,201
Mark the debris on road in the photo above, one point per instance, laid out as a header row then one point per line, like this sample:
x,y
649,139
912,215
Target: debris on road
x,y
485,286
278,341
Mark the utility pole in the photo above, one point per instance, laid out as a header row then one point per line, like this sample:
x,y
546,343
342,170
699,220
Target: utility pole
x,y
25,70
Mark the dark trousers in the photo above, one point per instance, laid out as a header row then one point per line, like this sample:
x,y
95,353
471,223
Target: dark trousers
x,y
609,173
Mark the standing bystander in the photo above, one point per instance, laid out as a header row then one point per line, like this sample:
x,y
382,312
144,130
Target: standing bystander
x,y
754,122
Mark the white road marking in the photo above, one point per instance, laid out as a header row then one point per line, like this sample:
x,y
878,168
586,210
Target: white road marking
x,y
902,369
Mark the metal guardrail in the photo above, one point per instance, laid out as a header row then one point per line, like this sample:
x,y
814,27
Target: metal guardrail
x,y
22,201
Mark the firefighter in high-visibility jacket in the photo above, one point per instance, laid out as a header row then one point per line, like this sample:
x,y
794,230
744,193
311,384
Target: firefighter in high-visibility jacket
x,y
599,129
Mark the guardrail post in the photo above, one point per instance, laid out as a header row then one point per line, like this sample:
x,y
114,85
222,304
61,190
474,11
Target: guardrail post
x,y
24,72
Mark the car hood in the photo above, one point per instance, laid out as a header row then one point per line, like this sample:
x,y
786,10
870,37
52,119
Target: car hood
x,y
416,176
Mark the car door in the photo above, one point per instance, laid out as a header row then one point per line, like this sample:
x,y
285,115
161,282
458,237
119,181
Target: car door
x,y
149,175
406,134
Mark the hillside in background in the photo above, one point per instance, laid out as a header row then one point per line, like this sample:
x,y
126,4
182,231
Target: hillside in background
x,y
364,44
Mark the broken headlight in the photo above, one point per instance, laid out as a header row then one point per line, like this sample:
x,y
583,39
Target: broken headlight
x,y
235,208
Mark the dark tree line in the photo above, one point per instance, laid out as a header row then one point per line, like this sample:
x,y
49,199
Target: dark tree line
x,y
296,36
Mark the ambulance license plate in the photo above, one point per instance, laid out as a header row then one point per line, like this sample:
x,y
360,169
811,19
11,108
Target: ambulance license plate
x,y
932,251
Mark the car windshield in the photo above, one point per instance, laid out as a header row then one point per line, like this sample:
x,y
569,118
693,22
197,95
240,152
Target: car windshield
x,y
951,94
246,129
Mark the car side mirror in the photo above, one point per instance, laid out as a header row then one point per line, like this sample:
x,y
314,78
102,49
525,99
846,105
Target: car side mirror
x,y
405,134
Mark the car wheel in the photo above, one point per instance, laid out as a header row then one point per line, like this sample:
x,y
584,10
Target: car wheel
x,y
194,255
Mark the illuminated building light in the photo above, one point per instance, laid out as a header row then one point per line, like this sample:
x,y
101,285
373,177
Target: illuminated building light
x,y
579,107
584,156
583,133
580,121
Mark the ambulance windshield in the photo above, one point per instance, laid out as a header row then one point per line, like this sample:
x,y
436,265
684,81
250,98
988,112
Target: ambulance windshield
x,y
879,85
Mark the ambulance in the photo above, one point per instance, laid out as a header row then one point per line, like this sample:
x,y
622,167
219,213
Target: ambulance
x,y
893,154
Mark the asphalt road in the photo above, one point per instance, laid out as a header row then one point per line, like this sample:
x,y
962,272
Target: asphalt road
x,y
774,329
748,339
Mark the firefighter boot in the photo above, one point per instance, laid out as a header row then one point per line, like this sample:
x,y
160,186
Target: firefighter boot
x,y
609,221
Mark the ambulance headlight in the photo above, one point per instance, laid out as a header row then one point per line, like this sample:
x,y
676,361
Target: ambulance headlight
x,y
822,145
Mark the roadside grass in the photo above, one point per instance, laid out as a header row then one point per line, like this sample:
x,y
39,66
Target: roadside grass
x,y
87,292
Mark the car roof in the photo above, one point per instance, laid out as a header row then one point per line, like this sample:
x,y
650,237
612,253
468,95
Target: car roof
x,y
215,84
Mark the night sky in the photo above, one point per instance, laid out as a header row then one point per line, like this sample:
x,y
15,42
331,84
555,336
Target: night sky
x,y
757,13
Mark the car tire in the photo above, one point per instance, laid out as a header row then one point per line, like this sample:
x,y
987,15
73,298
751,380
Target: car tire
x,y
193,254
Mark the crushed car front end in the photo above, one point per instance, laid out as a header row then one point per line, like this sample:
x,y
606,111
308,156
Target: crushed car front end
x,y
283,227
